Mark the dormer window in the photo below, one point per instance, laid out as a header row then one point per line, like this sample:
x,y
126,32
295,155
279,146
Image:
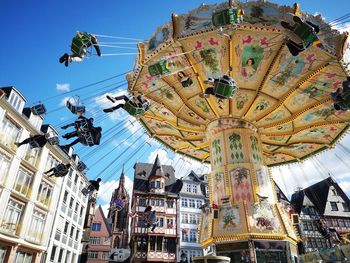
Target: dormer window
x,y
15,101
194,189
188,188
334,192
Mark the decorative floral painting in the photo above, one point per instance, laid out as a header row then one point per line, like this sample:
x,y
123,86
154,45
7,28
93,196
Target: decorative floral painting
x,y
229,219
216,152
241,184
256,151
236,148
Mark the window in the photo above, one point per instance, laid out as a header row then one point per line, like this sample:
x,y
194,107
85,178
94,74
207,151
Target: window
x,y
194,189
51,162
4,168
142,202
346,207
53,252
188,188
92,254
65,230
76,209
23,257
72,231
71,202
65,197
184,237
192,203
141,243
44,193
192,219
105,255
157,202
334,192
96,227
3,250
15,101
170,223
334,206
161,222
9,133
76,179
184,202
199,203
158,184
170,203
184,218
23,182
81,211
193,236
60,255
77,235
159,243
94,240
32,155
12,216
152,245
37,224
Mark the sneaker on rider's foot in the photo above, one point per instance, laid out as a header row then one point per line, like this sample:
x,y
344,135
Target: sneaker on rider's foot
x,y
111,98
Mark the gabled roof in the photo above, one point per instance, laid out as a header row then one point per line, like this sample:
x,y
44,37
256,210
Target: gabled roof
x,y
8,90
318,195
157,168
143,172
192,177
104,220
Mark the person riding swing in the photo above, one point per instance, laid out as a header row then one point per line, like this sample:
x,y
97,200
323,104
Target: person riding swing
x,y
306,32
80,43
93,186
341,97
58,171
134,106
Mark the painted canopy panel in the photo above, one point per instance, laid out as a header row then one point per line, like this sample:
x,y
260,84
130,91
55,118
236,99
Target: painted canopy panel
x,y
286,97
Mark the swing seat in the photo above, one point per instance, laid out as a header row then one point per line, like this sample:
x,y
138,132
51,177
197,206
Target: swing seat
x,y
75,109
81,166
53,140
80,42
38,109
33,144
306,33
224,88
82,125
159,68
226,17
132,110
86,138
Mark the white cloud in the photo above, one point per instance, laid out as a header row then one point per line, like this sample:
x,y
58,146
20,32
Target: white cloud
x,y
104,103
63,87
107,188
343,27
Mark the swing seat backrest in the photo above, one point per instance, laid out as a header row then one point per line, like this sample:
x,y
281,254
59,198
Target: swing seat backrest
x,y
82,125
346,98
306,33
86,138
225,17
79,42
38,109
75,109
224,88
132,110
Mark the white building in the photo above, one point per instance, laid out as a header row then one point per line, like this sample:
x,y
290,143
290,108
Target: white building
x,y
42,217
193,195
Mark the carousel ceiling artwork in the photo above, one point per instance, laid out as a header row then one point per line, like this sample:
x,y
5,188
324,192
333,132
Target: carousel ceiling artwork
x,y
285,96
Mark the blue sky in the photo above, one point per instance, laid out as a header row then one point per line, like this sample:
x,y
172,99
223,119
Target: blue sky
x,y
36,34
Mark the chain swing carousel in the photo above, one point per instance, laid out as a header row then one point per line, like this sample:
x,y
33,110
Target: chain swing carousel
x,y
231,85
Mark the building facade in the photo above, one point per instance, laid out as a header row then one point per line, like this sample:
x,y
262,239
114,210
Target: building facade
x,y
100,239
324,214
30,200
193,194
155,185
